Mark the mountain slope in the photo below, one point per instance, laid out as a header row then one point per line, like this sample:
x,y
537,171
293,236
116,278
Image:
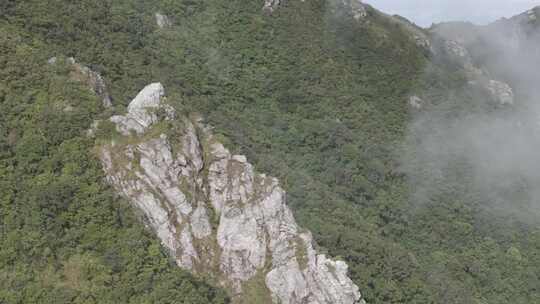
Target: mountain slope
x,y
507,48
65,237
314,93
217,217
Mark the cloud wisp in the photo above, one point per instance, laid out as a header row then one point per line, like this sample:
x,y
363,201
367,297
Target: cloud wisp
x,y
469,147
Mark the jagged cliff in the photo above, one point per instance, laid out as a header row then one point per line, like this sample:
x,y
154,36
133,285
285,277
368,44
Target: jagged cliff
x,y
218,217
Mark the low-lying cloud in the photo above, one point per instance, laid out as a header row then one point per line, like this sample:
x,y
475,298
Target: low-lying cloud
x,y
477,150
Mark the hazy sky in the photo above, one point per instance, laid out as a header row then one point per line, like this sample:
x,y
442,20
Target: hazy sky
x,y
425,12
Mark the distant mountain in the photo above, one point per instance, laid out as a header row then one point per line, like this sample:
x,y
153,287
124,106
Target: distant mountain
x,y
508,48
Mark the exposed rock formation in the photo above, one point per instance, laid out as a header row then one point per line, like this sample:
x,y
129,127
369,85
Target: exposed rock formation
x,y
92,79
162,21
358,9
501,91
515,33
422,41
416,102
139,117
354,8
507,49
459,53
271,5
213,212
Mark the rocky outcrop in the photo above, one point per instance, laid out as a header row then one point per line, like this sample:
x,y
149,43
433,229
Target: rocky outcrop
x,y
500,91
459,54
143,111
357,8
423,41
416,102
271,5
216,215
506,51
92,79
162,20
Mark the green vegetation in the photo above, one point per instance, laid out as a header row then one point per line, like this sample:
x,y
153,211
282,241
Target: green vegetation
x,y
64,236
256,291
308,94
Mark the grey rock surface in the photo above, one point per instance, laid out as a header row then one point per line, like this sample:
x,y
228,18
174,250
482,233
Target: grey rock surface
x,y
143,111
215,214
357,8
162,20
501,91
271,5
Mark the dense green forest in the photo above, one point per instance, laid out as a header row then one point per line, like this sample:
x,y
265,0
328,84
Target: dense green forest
x,y
65,238
308,93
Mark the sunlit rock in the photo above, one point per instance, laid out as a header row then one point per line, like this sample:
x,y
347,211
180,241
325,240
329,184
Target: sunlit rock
x,y
143,111
270,5
162,20
216,215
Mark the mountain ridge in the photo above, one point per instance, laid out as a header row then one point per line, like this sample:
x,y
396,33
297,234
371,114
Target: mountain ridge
x,y
313,93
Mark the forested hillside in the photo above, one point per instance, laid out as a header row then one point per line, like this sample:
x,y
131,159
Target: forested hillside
x,y
311,94
65,238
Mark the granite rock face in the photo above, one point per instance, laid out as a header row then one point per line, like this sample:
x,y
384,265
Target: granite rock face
x,y
212,211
